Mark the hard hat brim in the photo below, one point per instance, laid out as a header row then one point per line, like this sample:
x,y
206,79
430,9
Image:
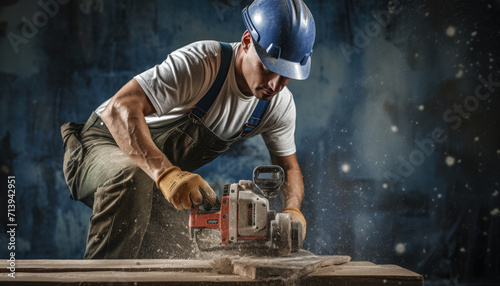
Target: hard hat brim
x,y
283,67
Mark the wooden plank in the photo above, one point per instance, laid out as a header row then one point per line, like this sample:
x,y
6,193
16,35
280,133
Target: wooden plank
x,y
294,266
141,278
195,272
365,273
297,264
112,265
194,278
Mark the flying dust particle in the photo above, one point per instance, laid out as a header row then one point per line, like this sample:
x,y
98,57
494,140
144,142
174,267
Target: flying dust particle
x,y
450,31
400,248
345,168
450,161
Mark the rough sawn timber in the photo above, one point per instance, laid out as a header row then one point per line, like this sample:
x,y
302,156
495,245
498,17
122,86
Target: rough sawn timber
x,y
296,265
201,272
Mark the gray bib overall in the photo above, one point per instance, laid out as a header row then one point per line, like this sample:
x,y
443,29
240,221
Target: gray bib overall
x,y
131,218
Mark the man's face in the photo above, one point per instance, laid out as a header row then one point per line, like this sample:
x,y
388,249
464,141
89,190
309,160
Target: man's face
x,y
262,83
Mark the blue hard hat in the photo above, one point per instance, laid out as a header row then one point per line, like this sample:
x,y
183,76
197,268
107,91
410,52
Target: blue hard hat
x,y
283,33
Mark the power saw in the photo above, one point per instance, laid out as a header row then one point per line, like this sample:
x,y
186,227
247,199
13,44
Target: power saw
x,y
244,219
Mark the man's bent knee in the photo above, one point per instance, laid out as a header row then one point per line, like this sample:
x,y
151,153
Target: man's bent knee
x,y
122,210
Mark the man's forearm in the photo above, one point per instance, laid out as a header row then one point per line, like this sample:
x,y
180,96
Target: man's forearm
x,y
131,134
124,116
293,187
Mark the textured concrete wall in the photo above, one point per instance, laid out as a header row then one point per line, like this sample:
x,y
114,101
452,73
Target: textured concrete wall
x,y
398,146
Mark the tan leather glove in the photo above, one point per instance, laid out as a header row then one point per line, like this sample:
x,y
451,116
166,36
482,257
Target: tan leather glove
x,y
183,189
295,214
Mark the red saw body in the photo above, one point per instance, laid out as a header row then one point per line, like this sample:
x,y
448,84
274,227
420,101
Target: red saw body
x,y
244,215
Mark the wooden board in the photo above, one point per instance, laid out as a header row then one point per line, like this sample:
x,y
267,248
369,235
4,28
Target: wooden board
x,y
365,273
294,266
200,272
129,265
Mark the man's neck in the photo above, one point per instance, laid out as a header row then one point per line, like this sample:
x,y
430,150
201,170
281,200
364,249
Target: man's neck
x,y
240,78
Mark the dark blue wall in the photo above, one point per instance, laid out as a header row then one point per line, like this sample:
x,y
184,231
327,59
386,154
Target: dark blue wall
x,y
398,146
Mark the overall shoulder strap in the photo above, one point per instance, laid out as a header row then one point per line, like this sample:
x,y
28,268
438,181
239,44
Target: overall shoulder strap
x,y
256,117
201,108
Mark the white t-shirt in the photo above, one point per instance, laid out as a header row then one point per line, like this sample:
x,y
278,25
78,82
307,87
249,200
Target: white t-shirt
x,y
179,82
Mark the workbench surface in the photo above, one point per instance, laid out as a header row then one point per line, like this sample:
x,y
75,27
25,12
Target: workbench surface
x,y
192,272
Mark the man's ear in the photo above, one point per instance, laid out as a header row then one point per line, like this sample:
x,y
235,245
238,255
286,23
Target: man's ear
x,y
246,41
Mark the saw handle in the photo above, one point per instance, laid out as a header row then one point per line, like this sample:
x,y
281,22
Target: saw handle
x,y
268,178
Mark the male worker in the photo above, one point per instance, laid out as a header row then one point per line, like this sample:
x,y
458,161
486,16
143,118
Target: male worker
x,y
141,146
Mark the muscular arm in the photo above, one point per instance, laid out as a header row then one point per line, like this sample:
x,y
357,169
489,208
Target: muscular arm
x,y
293,188
124,117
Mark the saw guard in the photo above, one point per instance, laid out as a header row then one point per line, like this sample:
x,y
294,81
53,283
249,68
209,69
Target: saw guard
x,y
281,231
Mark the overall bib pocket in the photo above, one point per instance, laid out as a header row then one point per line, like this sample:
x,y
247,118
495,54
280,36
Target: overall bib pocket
x,y
188,153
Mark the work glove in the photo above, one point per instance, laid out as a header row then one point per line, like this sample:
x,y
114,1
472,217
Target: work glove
x,y
295,214
183,189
